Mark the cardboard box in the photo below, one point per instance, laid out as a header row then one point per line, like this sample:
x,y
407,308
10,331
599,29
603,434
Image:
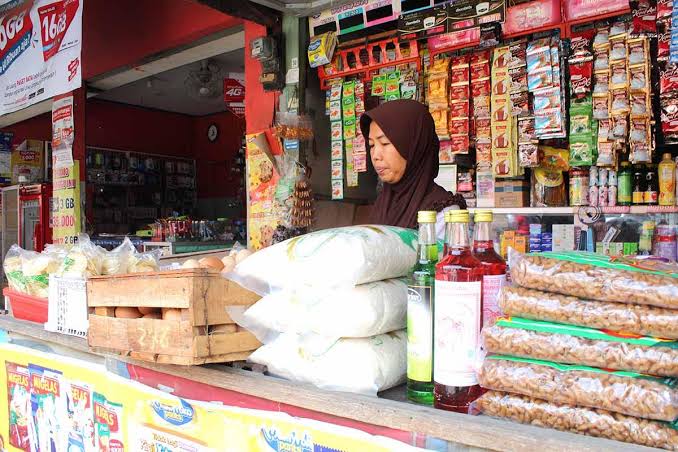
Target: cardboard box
x,y
507,241
485,188
511,193
520,243
563,237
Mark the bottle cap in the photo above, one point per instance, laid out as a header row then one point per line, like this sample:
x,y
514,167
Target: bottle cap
x,y
625,164
667,156
456,216
427,216
483,216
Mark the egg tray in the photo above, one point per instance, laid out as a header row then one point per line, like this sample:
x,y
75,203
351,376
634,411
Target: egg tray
x,y
205,333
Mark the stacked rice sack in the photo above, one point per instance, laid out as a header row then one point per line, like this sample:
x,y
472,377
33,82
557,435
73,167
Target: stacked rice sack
x,y
333,311
589,345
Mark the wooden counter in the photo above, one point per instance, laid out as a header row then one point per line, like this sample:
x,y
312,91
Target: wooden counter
x,y
464,432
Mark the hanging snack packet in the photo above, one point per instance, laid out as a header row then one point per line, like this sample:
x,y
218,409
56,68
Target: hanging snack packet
x,y
602,82
379,85
637,50
639,78
619,77
618,48
601,106
349,129
539,69
619,102
601,58
602,36
581,75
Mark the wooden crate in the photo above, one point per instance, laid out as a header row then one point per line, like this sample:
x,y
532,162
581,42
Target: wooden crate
x,y
202,297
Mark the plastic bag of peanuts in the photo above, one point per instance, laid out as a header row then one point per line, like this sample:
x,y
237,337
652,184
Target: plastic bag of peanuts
x,y
587,421
553,307
597,277
579,345
622,392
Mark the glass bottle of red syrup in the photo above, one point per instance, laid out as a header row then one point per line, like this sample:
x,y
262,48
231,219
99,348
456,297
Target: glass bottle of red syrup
x,y
494,277
457,316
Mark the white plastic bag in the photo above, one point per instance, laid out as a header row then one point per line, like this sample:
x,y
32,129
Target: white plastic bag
x,y
341,257
116,261
366,365
83,260
363,311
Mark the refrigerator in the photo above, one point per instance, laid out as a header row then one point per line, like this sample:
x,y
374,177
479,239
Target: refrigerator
x,y
35,219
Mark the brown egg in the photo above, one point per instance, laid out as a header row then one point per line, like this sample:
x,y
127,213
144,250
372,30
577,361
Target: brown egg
x,y
127,313
146,310
211,262
229,264
153,315
171,314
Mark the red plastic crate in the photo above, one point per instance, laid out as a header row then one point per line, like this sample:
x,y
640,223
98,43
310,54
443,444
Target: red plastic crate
x,y
26,307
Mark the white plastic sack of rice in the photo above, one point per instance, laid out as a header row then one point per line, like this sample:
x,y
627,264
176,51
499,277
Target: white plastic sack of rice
x,y
362,311
365,365
341,257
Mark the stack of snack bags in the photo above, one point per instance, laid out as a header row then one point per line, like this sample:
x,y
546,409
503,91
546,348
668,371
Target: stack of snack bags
x,y
333,310
589,346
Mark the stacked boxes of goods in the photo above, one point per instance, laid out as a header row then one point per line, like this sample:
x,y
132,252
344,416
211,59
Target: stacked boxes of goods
x,y
333,311
581,350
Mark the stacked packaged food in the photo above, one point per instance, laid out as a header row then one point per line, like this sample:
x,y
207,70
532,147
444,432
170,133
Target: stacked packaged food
x,y
590,345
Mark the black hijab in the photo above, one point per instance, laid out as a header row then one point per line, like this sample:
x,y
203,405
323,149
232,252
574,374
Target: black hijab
x,y
410,127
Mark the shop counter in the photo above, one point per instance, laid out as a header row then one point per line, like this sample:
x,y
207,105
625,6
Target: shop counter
x,y
397,419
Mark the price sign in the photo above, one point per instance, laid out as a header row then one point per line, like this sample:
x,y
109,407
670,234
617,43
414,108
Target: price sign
x,y
66,205
55,19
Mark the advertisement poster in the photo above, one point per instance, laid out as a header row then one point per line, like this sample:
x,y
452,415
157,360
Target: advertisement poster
x,y
40,43
26,162
532,15
262,180
580,9
66,205
62,131
51,403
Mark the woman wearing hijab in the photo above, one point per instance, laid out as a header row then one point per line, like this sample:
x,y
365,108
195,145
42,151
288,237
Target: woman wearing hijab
x,y
403,148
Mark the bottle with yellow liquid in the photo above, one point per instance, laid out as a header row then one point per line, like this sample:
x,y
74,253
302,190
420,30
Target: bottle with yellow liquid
x,y
667,181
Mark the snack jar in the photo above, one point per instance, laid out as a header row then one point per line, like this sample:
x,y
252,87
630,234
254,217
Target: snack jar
x,y
579,186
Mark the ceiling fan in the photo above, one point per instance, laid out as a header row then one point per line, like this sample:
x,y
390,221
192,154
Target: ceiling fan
x,y
204,83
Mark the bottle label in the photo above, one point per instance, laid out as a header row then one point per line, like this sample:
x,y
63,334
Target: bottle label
x,y
492,284
650,197
456,332
419,333
638,197
624,190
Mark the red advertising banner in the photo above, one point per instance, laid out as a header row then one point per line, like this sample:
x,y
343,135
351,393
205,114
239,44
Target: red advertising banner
x,y
580,9
532,15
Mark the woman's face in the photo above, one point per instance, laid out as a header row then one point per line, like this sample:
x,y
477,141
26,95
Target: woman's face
x,y
387,161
